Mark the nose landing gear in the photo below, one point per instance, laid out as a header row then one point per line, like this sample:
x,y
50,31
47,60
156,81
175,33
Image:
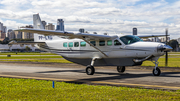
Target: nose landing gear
x,y
156,71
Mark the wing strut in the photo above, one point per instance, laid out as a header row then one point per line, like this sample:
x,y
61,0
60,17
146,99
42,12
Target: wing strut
x,y
94,47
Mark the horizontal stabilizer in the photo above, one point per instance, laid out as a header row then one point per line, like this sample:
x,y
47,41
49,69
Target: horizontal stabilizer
x,y
25,42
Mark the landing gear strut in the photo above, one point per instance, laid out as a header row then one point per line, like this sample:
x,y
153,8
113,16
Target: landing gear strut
x,y
90,70
156,71
121,69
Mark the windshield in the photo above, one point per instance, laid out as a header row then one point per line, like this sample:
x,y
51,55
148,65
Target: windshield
x,y
129,39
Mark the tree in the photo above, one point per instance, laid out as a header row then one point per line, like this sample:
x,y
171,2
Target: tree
x,y
27,48
174,44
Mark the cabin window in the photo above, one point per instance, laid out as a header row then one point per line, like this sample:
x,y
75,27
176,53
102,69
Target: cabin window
x,y
93,42
76,44
65,44
83,44
102,43
70,44
116,43
109,42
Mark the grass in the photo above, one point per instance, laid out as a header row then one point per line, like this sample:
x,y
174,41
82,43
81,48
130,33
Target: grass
x,y
30,89
42,60
25,53
30,57
172,62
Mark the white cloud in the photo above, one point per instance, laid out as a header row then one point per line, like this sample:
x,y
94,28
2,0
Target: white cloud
x,y
96,15
13,24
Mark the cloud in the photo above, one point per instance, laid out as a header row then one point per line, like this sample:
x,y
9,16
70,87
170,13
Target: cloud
x,y
96,15
12,24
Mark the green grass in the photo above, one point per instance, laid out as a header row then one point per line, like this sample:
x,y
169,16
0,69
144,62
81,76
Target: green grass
x,y
42,60
35,90
30,57
25,53
172,62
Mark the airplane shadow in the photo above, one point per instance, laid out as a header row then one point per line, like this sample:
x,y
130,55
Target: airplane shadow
x,y
116,75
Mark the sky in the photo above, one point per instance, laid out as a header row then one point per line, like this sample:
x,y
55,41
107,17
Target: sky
x,y
150,17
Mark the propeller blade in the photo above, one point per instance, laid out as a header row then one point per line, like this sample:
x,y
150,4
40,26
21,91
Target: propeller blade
x,y
166,58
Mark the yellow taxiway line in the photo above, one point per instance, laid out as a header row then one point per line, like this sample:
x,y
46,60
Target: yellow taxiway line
x,y
93,82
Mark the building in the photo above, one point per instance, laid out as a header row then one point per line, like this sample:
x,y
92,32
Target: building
x,y
44,24
178,40
50,26
18,35
164,39
3,30
27,35
134,31
81,30
11,34
60,25
17,48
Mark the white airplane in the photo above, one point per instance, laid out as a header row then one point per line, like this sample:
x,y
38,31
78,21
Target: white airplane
x,y
97,50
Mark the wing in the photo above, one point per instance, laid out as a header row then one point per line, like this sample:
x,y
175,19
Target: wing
x,y
70,34
150,36
85,36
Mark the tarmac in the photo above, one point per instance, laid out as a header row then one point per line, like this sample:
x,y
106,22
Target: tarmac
x,y
140,77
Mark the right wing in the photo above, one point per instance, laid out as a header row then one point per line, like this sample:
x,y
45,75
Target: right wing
x,y
150,36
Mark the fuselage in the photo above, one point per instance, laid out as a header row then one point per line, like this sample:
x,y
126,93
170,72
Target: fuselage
x,y
116,48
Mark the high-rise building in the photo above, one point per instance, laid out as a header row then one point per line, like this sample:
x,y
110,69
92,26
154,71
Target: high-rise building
x,y
134,31
18,35
44,24
26,35
81,30
60,25
2,31
50,26
11,34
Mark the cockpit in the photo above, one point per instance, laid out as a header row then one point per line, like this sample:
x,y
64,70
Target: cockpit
x,y
129,39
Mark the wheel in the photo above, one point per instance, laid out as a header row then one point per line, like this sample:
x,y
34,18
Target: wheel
x,y
156,72
90,70
121,69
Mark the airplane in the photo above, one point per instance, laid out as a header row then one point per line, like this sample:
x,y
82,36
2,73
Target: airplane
x,y
97,50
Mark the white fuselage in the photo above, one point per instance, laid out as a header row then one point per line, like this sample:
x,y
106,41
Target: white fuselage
x,y
135,50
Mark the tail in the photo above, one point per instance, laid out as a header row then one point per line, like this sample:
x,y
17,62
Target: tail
x,y
38,25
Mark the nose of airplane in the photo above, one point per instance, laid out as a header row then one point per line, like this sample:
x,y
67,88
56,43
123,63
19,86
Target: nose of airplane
x,y
164,47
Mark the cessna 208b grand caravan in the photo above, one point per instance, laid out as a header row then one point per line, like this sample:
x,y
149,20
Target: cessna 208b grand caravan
x,y
97,50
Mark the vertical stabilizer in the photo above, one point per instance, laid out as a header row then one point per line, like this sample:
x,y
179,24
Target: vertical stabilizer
x,y
37,24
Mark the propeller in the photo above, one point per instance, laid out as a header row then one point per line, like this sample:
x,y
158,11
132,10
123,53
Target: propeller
x,y
166,56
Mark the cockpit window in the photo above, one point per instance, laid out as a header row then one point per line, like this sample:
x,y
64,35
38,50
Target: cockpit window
x,y
129,39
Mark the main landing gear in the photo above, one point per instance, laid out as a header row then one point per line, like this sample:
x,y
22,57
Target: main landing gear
x,y
90,70
121,69
156,71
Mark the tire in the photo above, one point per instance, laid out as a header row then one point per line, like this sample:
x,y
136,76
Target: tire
x,y
121,69
156,72
90,70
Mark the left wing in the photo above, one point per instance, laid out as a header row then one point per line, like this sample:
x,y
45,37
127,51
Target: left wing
x,y
85,36
70,34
